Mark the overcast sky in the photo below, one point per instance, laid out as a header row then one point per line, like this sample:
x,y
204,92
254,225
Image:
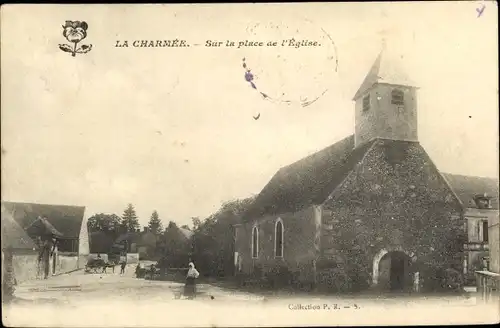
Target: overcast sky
x,y
172,129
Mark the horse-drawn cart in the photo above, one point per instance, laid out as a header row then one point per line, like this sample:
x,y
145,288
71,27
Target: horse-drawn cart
x,y
98,265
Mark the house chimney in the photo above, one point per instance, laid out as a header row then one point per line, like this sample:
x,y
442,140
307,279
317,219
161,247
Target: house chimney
x,y
146,229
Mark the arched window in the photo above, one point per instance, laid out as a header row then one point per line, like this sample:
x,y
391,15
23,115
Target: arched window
x,y
278,239
397,97
255,242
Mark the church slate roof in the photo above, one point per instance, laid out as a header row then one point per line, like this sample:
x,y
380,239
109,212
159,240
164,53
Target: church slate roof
x,y
312,179
65,219
467,187
308,181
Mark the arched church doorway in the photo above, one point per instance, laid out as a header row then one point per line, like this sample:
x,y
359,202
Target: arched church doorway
x,y
395,272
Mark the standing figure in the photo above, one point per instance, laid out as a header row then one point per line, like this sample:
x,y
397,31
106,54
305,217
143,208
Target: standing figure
x,y
138,270
123,263
190,286
152,271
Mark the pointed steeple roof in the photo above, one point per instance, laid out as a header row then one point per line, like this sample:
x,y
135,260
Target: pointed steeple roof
x,y
387,68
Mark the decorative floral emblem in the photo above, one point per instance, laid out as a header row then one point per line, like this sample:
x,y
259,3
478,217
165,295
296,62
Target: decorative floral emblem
x,y
75,32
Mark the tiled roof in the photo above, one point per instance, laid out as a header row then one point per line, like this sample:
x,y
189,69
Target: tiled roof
x,y
13,235
65,219
42,226
308,181
186,232
467,187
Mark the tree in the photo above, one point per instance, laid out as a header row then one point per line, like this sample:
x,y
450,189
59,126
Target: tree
x,y
103,222
155,225
174,247
196,222
130,223
103,231
214,238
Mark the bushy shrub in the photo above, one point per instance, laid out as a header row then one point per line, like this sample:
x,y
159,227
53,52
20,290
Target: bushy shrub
x,y
440,279
257,272
333,280
279,277
453,280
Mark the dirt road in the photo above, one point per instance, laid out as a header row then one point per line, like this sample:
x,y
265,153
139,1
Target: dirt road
x,y
96,300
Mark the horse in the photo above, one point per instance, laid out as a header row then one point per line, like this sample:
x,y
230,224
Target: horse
x,y
108,265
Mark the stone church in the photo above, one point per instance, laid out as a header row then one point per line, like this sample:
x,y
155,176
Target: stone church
x,y
371,211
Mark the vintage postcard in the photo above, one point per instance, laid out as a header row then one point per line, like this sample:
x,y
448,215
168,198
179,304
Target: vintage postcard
x,y
243,165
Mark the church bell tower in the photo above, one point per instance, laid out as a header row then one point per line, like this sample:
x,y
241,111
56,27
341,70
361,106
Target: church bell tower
x,y
386,102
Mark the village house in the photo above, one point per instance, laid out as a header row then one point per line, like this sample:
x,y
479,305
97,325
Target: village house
x,y
59,231
479,196
372,211
494,243
23,250
146,245
149,244
488,278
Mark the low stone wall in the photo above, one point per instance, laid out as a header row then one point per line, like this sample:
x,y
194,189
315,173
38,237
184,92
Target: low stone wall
x,y
25,267
132,258
66,263
82,260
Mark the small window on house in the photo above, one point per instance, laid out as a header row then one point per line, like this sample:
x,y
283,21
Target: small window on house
x,y
485,231
486,263
483,201
366,103
278,239
397,97
255,242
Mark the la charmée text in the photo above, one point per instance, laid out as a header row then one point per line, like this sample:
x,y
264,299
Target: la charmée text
x,y
178,43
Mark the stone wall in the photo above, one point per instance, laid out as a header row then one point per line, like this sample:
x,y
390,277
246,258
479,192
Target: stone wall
x,y
395,199
25,267
132,258
494,244
82,261
298,246
384,119
66,263
83,240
